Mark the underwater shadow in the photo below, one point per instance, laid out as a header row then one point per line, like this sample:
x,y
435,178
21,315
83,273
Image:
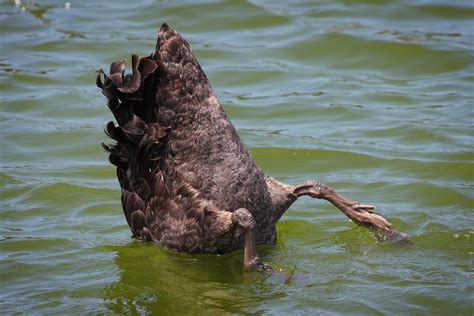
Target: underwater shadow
x,y
155,280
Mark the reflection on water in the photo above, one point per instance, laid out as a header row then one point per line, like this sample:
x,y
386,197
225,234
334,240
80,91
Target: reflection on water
x,y
373,97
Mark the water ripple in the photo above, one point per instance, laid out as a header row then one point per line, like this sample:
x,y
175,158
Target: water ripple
x,y
373,97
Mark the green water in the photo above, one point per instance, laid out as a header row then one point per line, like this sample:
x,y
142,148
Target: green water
x,y
374,97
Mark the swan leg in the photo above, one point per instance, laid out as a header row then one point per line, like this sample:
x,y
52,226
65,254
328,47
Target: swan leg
x,y
244,218
283,195
361,214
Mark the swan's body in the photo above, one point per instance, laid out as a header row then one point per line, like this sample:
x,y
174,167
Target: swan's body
x,y
187,180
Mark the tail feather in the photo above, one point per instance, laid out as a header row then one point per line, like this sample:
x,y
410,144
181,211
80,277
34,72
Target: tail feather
x,y
131,202
139,226
135,129
139,137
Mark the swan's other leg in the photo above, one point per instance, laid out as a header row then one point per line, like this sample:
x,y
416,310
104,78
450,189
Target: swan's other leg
x,y
244,218
362,214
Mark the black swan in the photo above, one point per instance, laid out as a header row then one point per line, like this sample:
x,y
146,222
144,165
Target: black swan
x,y
187,181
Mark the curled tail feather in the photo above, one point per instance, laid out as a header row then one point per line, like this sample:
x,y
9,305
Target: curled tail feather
x,y
139,138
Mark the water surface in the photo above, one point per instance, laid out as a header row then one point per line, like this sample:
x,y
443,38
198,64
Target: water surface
x,y
373,97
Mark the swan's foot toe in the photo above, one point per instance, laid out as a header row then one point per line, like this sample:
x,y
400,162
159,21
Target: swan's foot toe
x,y
257,264
362,214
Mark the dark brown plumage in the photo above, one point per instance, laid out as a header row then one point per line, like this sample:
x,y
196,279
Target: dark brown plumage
x,y
187,180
